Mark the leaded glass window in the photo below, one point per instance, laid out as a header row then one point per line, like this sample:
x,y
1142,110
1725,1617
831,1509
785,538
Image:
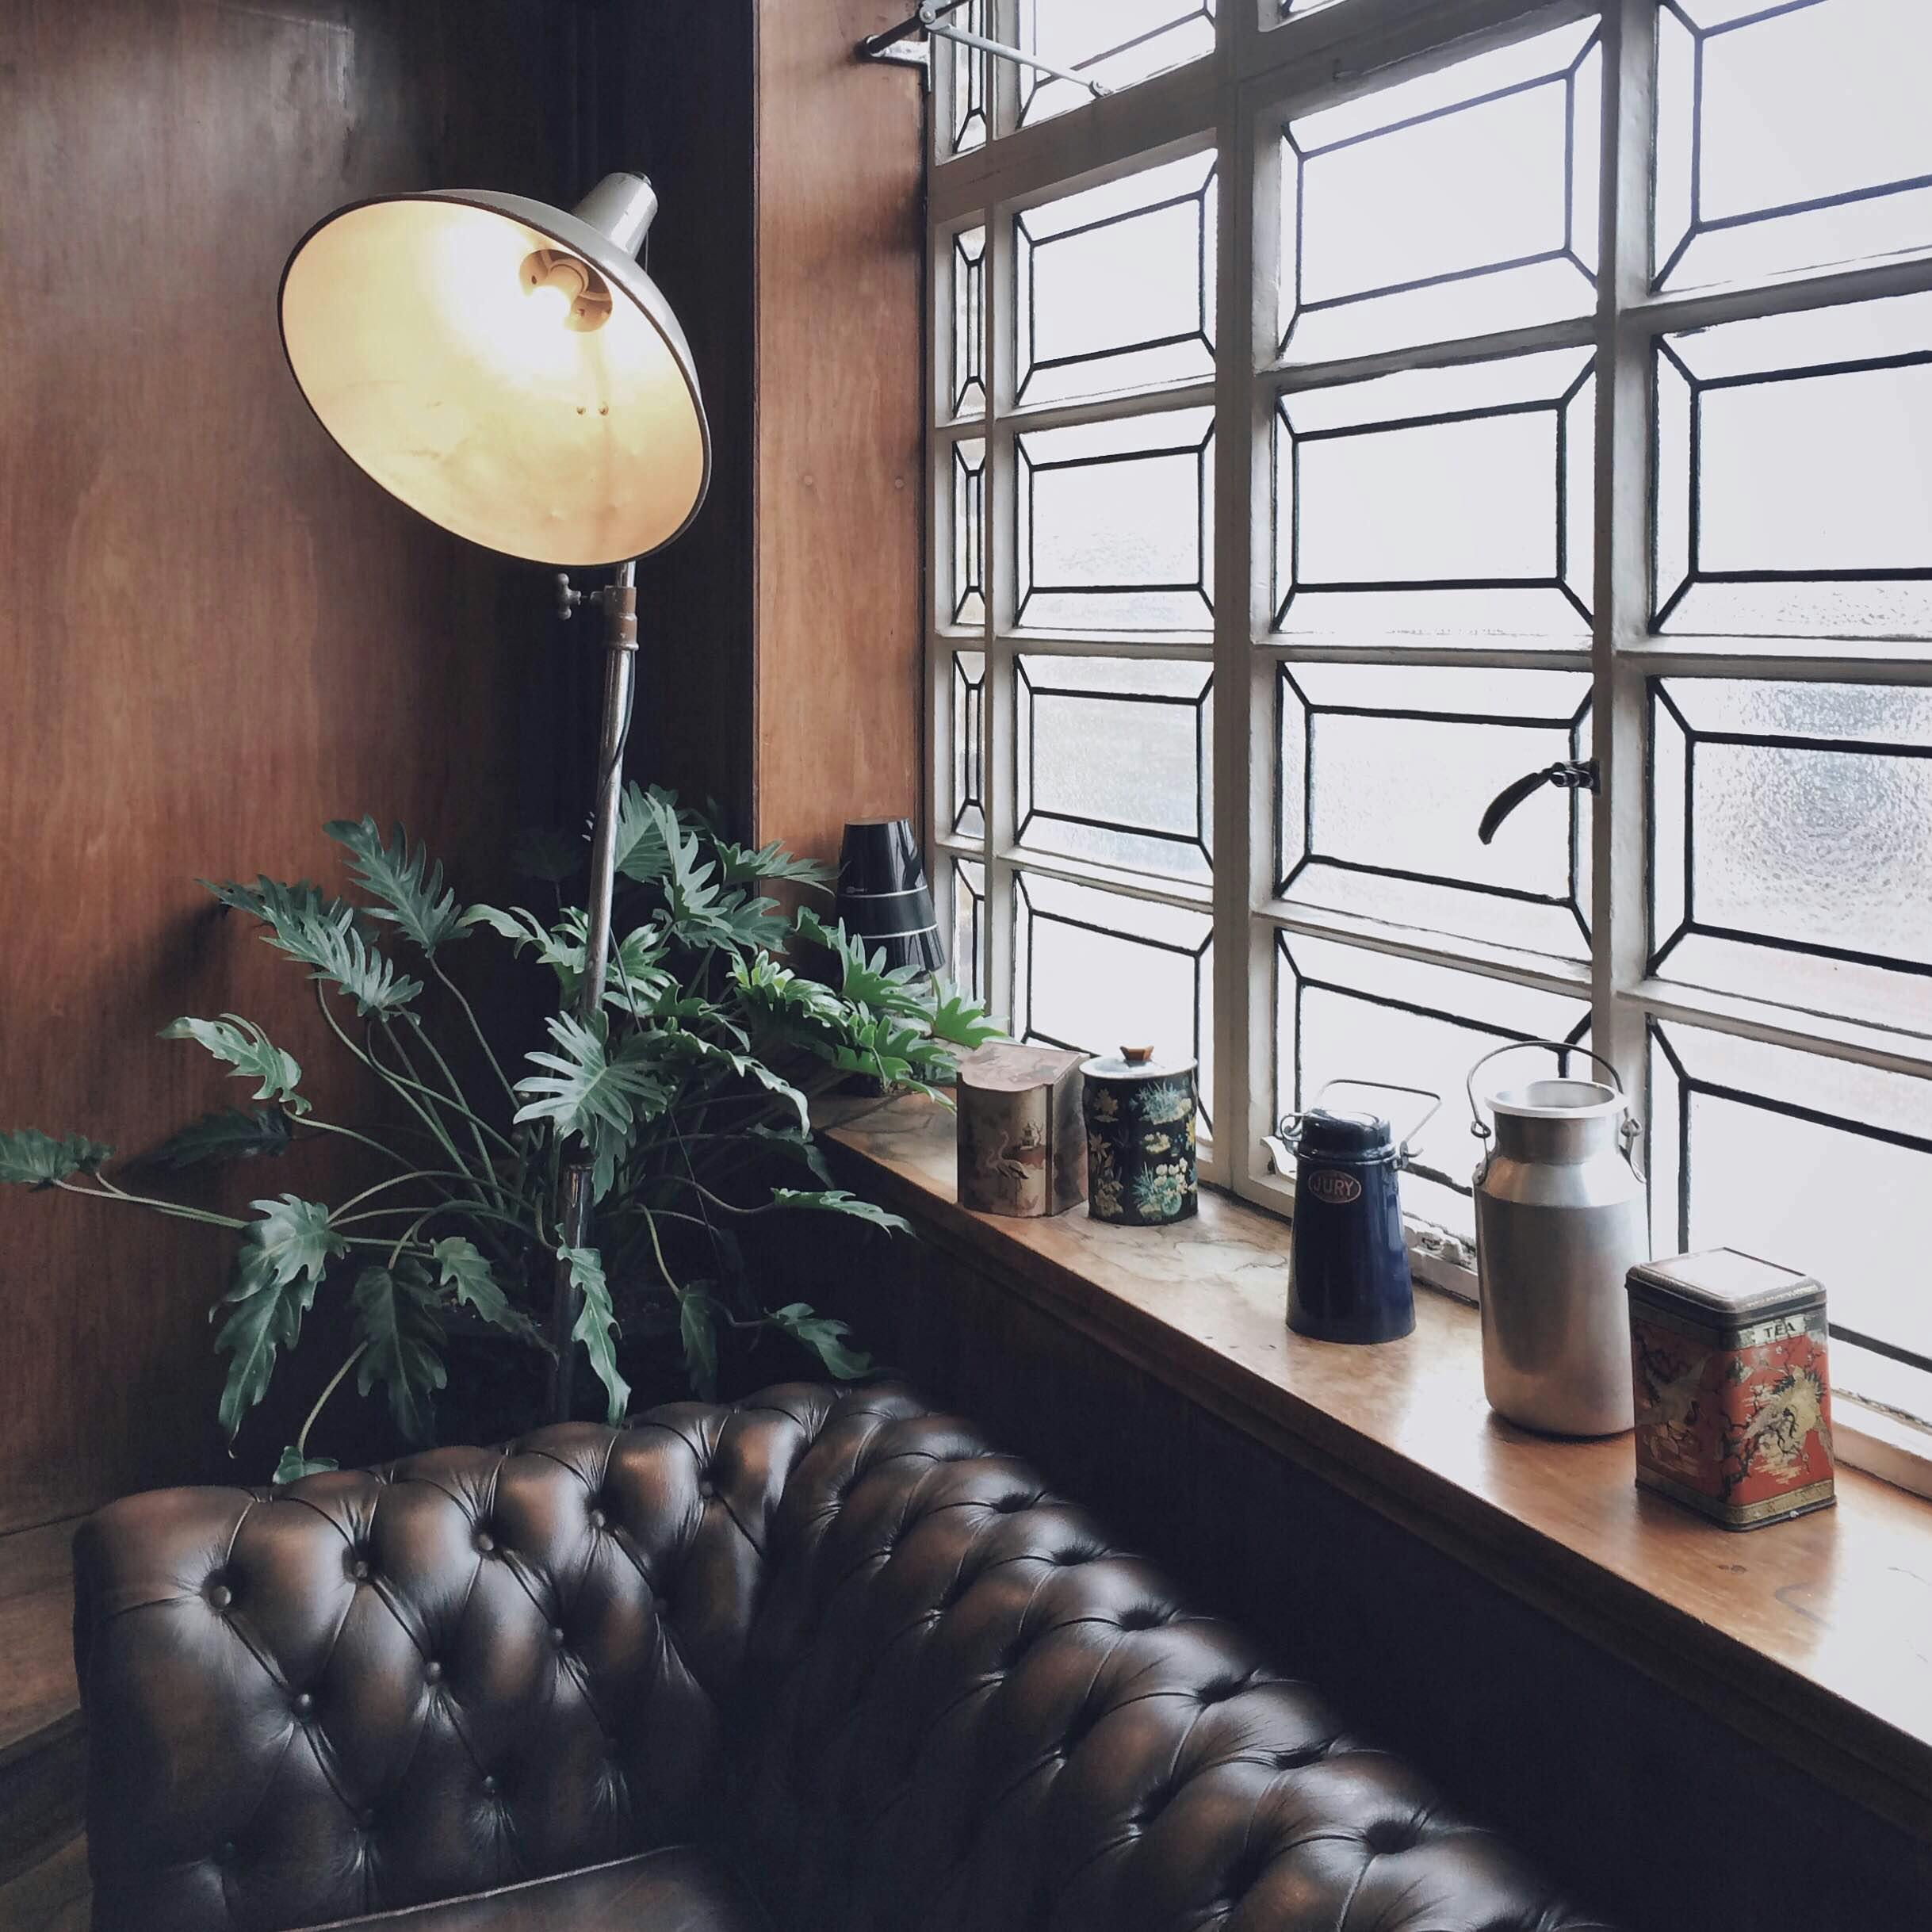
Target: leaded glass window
x,y
1404,402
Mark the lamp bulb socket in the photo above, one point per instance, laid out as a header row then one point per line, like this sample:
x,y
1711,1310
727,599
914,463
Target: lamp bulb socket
x,y
587,291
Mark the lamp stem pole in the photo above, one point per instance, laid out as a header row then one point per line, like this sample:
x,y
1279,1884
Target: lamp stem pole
x,y
619,602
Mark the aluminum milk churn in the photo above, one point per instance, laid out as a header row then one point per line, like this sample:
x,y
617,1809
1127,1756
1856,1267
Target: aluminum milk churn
x,y
1562,1217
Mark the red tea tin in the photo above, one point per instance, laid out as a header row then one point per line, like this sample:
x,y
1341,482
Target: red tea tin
x,y
1733,1401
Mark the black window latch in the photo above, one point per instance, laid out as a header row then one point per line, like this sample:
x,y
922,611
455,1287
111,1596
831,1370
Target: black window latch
x,y
1564,776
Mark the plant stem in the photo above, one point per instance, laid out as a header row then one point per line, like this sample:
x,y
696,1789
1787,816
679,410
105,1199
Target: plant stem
x,y
400,1086
106,1191
476,1123
476,1027
335,1382
383,1186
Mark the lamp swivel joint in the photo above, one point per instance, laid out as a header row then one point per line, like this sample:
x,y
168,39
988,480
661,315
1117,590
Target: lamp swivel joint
x,y
618,603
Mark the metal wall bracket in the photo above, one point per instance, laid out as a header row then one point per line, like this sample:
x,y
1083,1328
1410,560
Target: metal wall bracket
x,y
930,23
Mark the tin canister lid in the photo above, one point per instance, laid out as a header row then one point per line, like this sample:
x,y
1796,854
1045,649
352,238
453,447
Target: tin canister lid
x,y
1726,1283
1136,1063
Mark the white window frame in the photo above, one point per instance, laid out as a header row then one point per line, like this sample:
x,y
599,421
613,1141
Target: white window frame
x,y
1264,69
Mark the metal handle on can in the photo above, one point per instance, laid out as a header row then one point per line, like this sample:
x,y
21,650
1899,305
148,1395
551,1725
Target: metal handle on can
x,y
1291,1126
1627,1132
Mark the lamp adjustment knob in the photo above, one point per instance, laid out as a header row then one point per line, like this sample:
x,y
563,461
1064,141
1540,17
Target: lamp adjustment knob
x,y
567,599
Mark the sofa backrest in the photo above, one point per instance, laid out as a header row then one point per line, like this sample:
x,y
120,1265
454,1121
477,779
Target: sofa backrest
x,y
370,1690
977,1714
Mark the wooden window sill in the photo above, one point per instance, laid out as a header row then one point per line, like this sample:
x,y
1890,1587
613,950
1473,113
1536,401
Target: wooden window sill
x,y
1813,1638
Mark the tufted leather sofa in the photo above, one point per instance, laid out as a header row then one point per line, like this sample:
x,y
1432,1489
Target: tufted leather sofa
x,y
825,1657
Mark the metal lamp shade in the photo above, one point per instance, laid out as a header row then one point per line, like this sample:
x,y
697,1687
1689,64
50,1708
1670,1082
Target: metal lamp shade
x,y
441,340
883,897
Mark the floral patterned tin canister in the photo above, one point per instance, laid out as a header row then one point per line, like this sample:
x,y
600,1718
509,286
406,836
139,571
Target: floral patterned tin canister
x,y
1733,1403
1140,1139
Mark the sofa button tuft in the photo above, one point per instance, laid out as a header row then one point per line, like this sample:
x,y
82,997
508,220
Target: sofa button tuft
x,y
433,1671
220,1597
597,1519
556,1635
490,1787
485,1542
305,1703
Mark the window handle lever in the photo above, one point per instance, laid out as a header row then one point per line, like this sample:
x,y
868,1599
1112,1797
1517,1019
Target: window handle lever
x,y
1564,776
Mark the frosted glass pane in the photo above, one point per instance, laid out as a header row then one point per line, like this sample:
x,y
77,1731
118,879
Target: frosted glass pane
x,y
1385,773
968,272
970,78
1114,42
1115,286
1795,475
1813,1163
1797,822
1791,139
1097,971
1468,205
1442,501
965,965
1113,762
969,708
967,602
1116,523
1343,1013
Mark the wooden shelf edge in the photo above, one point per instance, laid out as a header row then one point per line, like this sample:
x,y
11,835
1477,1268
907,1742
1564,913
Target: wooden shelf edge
x,y
1850,1745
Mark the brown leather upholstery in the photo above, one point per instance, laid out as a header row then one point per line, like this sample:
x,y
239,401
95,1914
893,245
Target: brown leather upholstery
x,y
837,1636
675,1890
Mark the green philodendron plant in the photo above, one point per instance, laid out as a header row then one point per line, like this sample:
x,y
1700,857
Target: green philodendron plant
x,y
698,1073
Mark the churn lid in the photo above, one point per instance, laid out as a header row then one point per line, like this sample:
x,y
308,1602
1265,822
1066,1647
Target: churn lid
x,y
1338,1136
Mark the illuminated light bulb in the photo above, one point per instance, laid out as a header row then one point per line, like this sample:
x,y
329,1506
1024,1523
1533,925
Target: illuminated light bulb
x,y
580,295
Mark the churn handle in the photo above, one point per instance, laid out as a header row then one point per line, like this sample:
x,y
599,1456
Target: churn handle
x,y
1479,1128
1388,1086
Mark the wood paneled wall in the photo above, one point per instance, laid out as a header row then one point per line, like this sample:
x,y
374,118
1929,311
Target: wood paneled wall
x,y
840,450
216,633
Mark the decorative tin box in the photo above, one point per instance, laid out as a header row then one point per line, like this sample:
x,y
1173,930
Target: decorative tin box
x,y
1733,1401
1141,1170
1021,1151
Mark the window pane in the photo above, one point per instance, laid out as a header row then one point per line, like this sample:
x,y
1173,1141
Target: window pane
x,y
1794,475
969,589
1793,825
1790,136
1459,203
1116,525
1114,760
1813,1163
970,80
968,927
1386,773
1097,971
1114,42
1115,286
968,387
1343,1013
1445,502
969,744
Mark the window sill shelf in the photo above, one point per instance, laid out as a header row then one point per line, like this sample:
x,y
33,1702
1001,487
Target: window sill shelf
x,y
1809,1637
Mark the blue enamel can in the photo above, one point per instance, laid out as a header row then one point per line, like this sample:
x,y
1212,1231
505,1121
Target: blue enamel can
x,y
1349,1264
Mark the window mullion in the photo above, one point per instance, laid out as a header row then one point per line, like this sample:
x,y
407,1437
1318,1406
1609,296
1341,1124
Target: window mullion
x,y
1245,752
1002,580
1620,894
